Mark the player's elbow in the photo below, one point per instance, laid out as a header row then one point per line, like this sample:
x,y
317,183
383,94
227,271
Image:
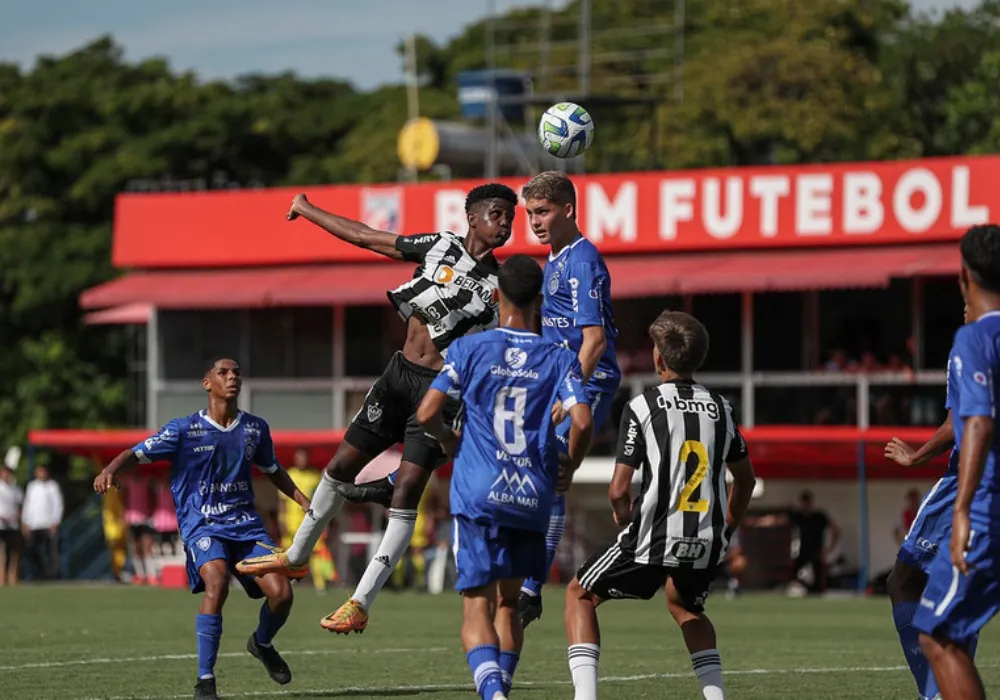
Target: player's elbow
x,y
582,421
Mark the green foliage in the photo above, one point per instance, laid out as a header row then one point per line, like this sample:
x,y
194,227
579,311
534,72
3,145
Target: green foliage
x,y
763,81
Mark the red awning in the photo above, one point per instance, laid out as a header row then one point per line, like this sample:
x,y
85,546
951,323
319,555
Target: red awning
x,y
782,270
324,285
632,277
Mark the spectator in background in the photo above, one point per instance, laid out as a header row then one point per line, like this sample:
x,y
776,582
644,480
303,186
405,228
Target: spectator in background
x,y
139,518
290,515
165,516
11,498
40,518
812,525
909,514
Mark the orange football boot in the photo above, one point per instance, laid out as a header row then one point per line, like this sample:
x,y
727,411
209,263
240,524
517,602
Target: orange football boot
x,y
350,617
274,563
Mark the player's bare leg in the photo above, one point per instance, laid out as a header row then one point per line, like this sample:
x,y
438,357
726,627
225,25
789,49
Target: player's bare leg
x,y
583,634
352,616
481,641
208,625
327,501
273,613
507,623
699,636
955,670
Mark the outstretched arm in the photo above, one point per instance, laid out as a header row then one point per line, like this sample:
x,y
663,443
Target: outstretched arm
x,y
942,441
347,230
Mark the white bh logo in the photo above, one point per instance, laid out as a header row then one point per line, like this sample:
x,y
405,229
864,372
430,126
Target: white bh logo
x,y
516,484
515,357
204,543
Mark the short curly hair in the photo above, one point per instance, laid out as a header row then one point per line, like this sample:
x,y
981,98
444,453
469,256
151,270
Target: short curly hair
x,y
484,193
552,185
980,248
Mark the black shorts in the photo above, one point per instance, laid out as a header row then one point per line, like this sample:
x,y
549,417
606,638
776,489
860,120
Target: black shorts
x,y
11,540
613,574
137,530
388,415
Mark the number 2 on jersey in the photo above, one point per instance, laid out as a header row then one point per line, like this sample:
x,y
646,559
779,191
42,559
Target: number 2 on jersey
x,y
510,420
684,503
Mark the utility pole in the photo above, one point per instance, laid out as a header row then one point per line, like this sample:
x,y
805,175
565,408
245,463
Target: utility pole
x,y
412,89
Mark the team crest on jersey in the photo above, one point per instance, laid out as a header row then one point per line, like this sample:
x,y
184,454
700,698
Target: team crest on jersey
x,y
249,447
204,543
554,283
515,357
374,411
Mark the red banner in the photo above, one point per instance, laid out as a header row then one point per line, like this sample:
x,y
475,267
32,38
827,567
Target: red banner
x,y
735,208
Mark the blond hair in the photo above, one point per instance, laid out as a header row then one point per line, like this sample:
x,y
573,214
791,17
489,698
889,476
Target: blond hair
x,y
551,185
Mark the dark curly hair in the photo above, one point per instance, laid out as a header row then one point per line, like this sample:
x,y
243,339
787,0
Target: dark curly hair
x,y
484,193
520,279
980,248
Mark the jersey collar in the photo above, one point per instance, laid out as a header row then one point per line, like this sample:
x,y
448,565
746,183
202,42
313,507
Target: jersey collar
x,y
572,245
988,314
232,426
514,331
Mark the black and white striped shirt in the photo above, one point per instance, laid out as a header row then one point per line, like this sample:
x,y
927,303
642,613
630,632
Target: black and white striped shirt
x,y
451,291
680,435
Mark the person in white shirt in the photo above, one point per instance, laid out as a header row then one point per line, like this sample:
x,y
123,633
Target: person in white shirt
x,y
40,518
11,498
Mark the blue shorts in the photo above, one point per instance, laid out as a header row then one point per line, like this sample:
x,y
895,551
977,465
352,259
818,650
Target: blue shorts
x,y
202,550
485,554
600,407
957,606
931,526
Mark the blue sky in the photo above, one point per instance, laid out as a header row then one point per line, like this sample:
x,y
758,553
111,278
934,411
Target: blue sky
x,y
352,39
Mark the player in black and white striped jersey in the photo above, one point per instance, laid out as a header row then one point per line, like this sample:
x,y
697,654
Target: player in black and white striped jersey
x,y
682,437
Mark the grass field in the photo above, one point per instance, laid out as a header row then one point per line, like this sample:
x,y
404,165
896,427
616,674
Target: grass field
x,y
70,642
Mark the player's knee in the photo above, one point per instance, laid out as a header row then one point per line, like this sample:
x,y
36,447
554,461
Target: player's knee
x,y
905,583
410,485
931,647
575,592
280,595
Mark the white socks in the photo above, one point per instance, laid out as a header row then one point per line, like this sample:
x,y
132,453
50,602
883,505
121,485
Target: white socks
x,y
583,660
326,503
708,667
396,539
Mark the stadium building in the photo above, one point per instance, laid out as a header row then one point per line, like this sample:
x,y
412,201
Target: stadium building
x,y
829,291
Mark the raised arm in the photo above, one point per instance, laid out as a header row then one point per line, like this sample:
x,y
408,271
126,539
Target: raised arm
x,y
347,230
941,441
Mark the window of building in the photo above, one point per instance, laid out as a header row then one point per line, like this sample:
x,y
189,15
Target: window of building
x,y
942,313
866,329
188,339
778,331
367,345
291,343
722,315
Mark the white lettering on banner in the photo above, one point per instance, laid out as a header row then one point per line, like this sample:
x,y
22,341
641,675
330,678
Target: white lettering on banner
x,y
720,225
449,211
675,205
612,218
962,214
863,210
813,205
769,189
909,217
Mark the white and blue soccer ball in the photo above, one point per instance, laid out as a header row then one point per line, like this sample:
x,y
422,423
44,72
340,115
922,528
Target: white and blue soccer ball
x,y
566,130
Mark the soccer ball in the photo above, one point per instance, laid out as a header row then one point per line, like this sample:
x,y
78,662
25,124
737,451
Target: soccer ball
x,y
566,130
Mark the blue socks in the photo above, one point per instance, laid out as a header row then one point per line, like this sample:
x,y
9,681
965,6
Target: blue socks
x,y
557,523
909,639
484,661
209,631
269,624
508,664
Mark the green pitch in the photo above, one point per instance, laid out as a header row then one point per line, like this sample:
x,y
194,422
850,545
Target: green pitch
x,y
71,642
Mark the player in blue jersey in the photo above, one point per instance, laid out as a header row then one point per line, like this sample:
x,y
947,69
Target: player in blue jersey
x,y
963,587
929,529
506,466
576,313
211,454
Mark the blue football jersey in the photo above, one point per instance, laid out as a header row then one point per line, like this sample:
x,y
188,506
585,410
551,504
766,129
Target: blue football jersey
x,y
507,463
951,389
973,363
576,294
210,474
